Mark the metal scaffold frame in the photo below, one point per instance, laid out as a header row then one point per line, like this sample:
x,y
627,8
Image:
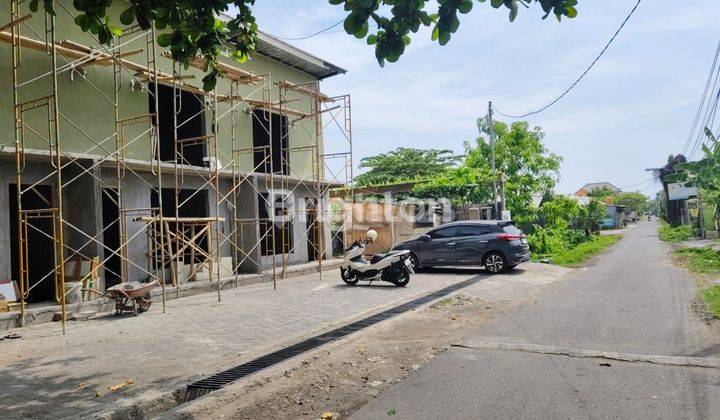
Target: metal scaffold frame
x,y
76,58
225,122
324,177
107,164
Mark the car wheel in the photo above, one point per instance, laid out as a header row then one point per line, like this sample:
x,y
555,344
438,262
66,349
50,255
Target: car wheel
x,y
414,263
494,262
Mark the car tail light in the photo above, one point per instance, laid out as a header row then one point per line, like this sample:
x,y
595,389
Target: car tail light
x,y
510,237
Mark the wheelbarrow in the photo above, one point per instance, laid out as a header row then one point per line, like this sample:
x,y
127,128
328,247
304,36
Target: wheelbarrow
x,y
131,296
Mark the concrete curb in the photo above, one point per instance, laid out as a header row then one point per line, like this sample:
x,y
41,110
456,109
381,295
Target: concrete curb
x,y
702,362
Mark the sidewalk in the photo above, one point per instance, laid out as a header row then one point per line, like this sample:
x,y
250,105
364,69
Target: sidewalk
x,y
43,313
49,374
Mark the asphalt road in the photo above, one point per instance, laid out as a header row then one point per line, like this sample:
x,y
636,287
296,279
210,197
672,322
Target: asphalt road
x,y
630,300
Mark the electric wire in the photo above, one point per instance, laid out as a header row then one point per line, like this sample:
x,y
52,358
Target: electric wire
x,y
638,183
322,31
701,106
582,76
709,116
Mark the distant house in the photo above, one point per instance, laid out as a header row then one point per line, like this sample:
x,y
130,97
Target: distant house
x,y
589,188
614,216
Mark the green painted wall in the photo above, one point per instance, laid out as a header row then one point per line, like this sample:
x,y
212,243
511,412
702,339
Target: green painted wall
x,y
87,104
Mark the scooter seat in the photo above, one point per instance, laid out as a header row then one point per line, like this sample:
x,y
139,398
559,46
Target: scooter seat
x,y
378,257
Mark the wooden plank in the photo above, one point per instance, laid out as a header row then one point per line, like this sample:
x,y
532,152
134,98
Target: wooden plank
x,y
275,107
15,22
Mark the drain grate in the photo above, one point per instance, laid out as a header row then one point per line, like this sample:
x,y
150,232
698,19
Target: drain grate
x,y
226,377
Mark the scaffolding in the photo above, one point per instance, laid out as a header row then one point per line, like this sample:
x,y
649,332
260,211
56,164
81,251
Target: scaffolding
x,y
299,104
130,152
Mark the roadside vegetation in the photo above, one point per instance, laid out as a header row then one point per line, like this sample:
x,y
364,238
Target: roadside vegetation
x,y
680,233
704,174
578,255
711,297
704,261
566,233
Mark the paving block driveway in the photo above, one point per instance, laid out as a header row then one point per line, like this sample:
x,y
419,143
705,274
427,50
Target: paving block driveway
x,y
49,374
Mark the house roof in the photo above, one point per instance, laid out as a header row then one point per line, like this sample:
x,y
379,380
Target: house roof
x,y
281,51
278,50
589,187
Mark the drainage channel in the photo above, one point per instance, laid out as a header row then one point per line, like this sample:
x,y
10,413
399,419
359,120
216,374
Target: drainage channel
x,y
227,377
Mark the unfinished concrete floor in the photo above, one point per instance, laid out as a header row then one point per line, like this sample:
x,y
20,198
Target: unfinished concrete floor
x,y
47,374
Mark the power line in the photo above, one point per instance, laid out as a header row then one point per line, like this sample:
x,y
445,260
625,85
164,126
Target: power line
x,y
638,183
324,30
709,117
702,101
579,79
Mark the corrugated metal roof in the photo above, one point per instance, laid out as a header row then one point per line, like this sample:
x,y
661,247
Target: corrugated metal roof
x,y
281,51
285,53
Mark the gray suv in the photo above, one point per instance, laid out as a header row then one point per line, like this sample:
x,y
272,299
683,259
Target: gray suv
x,y
496,245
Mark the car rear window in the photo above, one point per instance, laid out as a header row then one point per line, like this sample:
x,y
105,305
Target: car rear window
x,y
512,230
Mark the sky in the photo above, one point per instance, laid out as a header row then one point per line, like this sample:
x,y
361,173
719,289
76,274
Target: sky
x,y
631,112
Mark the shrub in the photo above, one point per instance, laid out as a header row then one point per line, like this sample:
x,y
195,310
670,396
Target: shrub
x,y
548,243
681,233
700,260
578,255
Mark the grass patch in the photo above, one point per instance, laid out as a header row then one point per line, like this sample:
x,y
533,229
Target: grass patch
x,y
579,254
703,260
706,261
711,297
668,233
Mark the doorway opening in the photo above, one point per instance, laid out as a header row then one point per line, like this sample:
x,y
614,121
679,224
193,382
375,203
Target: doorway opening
x,y
282,225
111,237
40,246
311,227
190,203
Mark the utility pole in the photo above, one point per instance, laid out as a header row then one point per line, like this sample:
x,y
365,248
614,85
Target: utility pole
x,y
492,161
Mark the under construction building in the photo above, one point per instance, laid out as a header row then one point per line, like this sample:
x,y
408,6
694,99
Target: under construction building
x,y
116,166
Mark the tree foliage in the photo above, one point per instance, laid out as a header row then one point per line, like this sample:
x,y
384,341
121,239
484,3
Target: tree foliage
x,y
704,173
601,193
405,164
590,217
633,201
528,169
558,212
395,20
190,28
561,224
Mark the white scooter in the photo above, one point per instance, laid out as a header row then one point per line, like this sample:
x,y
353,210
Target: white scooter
x,y
393,267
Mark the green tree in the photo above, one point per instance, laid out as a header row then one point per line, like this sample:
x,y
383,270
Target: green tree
x,y
405,164
522,161
558,212
704,173
590,217
601,193
633,201
190,27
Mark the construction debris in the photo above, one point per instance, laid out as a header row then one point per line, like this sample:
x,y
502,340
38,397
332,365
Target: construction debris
x,y
121,385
